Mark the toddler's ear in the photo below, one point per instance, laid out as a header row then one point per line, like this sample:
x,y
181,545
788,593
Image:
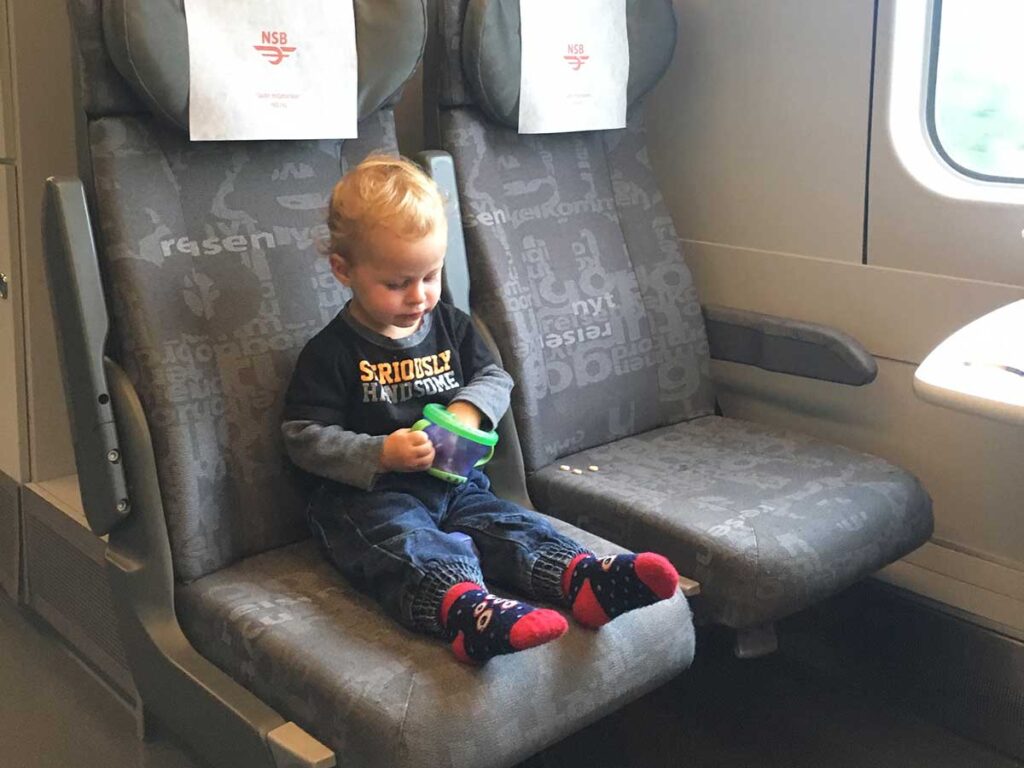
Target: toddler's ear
x,y
340,268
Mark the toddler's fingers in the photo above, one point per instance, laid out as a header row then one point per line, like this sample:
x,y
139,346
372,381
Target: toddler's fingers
x,y
418,438
424,457
423,452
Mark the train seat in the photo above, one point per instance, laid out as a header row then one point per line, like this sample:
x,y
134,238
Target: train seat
x,y
576,270
185,279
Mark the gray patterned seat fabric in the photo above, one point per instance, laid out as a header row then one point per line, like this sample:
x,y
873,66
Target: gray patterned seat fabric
x,y
214,283
768,521
577,270
289,628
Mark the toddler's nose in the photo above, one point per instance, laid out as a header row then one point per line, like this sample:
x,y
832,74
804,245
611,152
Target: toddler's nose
x,y
416,294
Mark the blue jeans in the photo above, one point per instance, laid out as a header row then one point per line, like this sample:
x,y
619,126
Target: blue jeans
x,y
406,542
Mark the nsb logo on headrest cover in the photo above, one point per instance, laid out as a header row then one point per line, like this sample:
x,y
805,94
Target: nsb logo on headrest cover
x,y
575,57
275,48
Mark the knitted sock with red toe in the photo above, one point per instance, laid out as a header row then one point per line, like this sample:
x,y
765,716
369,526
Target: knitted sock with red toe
x,y
599,589
482,625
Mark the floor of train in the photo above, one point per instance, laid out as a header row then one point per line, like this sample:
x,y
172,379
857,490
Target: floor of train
x,y
723,713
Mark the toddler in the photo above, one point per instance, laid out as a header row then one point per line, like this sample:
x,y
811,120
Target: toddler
x,y
417,544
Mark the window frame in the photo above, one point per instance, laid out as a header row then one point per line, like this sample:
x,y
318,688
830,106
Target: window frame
x,y
935,34
906,73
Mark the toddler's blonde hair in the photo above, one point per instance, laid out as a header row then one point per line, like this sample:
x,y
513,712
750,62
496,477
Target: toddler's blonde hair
x,y
383,191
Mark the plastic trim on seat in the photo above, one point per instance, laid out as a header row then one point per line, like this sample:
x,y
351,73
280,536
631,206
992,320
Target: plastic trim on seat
x,y
440,167
81,319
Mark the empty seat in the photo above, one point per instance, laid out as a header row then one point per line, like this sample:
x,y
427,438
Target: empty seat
x,y
767,521
578,273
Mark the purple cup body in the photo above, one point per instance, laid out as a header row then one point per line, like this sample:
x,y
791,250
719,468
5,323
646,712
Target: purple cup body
x,y
453,453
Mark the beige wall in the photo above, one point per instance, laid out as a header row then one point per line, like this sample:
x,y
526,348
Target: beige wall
x,y
760,123
13,458
41,78
919,228
13,442
6,104
759,135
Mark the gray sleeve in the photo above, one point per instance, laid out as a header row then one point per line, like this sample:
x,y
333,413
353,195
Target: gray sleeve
x,y
330,451
489,390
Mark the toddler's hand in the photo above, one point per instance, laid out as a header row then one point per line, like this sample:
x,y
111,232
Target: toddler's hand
x,y
406,450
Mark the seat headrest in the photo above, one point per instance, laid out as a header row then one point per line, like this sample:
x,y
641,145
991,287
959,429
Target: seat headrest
x,y
147,40
491,52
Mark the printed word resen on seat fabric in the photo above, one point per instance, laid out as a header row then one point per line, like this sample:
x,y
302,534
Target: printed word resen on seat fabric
x,y
216,284
215,280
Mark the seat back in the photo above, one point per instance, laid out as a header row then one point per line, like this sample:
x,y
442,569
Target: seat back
x,y
575,264
209,254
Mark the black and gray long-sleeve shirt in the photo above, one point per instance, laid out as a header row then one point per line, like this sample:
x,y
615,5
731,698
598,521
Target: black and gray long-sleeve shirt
x,y
352,387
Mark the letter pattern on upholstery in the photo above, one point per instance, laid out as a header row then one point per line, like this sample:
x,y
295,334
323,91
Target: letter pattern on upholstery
x,y
303,640
576,265
217,282
584,276
214,283
209,341
215,279
774,520
577,270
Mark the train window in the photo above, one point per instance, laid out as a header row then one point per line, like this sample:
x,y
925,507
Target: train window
x,y
976,90
924,75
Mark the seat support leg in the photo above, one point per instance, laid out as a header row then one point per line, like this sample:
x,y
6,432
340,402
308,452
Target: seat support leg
x,y
147,729
754,642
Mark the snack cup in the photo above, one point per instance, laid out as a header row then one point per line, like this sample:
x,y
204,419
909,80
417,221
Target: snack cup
x,y
457,448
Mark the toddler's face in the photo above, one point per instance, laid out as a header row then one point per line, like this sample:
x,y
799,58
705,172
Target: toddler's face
x,y
394,281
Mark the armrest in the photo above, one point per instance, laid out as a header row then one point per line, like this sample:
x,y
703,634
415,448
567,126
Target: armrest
x,y
787,346
80,318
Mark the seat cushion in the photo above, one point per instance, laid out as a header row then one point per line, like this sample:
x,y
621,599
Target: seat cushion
x,y
288,627
768,521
